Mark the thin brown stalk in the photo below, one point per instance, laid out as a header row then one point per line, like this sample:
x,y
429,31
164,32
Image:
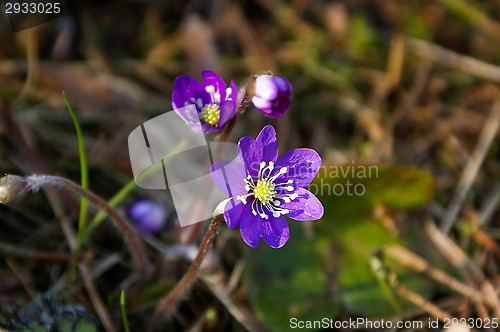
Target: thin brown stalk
x,y
470,272
471,170
224,135
11,184
422,303
451,59
10,250
95,298
182,286
17,270
407,258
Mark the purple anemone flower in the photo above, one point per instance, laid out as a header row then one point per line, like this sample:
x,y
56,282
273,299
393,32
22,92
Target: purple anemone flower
x,y
214,102
148,216
272,95
264,188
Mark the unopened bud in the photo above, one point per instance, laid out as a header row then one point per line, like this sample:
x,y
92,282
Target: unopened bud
x,y
13,188
271,94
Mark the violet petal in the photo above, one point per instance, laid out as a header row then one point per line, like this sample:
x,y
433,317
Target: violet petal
x,y
284,85
262,104
184,87
267,139
250,226
275,231
226,113
233,212
266,87
189,114
228,177
234,93
302,164
304,207
207,129
251,153
211,78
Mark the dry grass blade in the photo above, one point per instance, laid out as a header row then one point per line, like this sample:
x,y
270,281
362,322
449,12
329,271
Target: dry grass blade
x,y
474,16
409,259
99,306
418,300
456,256
489,206
242,314
471,170
449,58
17,270
168,302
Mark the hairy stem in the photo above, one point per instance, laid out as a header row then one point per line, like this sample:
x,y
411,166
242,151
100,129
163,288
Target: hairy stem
x,y
223,136
15,186
167,303
10,250
181,287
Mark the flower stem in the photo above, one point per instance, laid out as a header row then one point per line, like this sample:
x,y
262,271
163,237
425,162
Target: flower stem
x,y
35,182
167,303
223,136
181,287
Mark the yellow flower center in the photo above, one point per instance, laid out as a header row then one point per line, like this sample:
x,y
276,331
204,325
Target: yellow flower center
x,y
264,191
268,195
210,114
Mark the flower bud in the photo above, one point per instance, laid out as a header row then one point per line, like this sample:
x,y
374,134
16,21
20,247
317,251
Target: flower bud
x,y
148,216
13,188
271,94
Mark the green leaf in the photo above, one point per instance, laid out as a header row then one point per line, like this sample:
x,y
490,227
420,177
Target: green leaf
x,y
39,329
288,282
66,326
356,241
354,190
349,194
85,327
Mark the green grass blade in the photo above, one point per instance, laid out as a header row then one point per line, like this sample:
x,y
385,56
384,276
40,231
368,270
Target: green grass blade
x,y
381,275
123,193
84,183
83,165
124,314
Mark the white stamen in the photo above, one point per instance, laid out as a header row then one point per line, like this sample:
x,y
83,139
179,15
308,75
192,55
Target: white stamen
x,y
242,198
217,97
267,194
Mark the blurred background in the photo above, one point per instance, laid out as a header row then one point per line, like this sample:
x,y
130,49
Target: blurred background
x,y
408,86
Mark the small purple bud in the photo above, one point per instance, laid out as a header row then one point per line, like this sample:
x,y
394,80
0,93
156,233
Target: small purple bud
x,y
271,94
148,216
